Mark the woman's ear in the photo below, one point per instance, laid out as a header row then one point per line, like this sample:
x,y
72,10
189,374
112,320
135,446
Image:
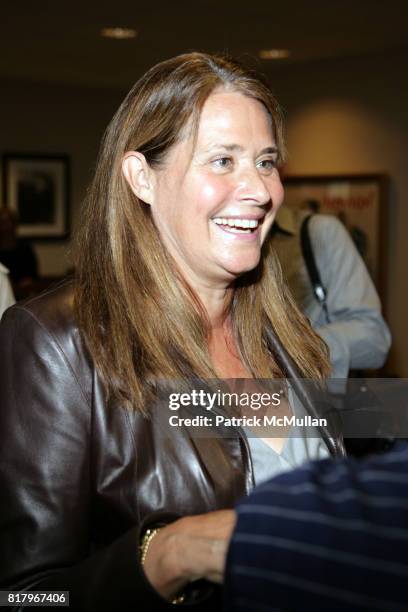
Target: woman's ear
x,y
139,175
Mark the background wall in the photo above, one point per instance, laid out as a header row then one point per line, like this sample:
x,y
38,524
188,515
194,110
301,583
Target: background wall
x,y
343,116
350,117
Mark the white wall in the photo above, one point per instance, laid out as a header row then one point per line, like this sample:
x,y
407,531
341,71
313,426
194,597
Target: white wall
x,y
342,117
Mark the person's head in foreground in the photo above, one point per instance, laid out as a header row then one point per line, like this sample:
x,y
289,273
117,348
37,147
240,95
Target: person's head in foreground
x,y
175,281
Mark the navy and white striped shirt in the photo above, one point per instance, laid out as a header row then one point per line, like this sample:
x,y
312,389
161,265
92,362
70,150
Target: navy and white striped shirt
x,y
329,536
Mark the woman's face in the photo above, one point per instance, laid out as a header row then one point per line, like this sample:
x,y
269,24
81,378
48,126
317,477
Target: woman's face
x,y
214,206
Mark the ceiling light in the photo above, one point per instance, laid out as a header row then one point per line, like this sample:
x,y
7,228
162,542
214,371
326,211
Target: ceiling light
x,y
274,53
118,33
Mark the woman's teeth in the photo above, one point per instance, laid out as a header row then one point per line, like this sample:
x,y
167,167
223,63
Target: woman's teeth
x,y
238,225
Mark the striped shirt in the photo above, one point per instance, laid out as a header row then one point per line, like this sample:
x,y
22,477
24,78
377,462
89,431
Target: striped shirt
x,y
329,536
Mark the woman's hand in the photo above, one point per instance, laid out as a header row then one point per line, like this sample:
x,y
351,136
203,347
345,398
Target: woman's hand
x,y
191,548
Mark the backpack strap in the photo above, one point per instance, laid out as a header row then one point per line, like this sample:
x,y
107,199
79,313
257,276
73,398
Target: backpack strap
x,y
319,289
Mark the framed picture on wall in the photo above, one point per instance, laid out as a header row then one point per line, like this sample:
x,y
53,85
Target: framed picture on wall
x,y
37,188
358,201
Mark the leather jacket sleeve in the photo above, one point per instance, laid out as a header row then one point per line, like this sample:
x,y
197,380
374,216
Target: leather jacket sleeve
x,y
46,480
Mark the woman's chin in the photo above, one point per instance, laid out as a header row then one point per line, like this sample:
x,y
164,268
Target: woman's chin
x,y
239,267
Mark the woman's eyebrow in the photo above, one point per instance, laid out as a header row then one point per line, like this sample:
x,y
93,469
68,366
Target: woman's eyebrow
x,y
273,150
239,148
226,147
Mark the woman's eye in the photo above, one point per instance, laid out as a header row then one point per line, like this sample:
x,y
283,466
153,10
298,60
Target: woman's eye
x,y
267,164
222,162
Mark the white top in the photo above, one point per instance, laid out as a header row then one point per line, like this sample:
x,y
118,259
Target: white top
x,y
6,292
301,445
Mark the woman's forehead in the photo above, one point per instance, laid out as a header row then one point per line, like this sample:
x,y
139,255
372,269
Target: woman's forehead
x,y
232,115
228,120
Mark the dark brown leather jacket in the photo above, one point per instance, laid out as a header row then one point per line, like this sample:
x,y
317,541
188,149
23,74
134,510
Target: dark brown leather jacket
x,y
80,477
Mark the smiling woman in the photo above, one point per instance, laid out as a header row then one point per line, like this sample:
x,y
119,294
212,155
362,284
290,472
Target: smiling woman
x,y
175,282
213,203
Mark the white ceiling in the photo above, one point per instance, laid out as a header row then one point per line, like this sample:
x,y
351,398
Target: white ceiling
x,y
59,41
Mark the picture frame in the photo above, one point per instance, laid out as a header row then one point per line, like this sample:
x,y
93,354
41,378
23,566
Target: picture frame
x,y
359,201
36,186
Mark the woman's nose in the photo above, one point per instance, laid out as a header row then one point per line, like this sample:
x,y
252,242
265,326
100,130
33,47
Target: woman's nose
x,y
252,187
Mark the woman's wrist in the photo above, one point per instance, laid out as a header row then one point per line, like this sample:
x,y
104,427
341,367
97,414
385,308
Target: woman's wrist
x,y
190,549
145,543
160,560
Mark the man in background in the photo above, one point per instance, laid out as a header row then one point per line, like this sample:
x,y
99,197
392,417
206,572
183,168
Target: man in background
x,y
349,319
16,254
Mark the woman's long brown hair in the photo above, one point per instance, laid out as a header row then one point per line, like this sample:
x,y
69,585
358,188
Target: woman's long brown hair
x,y
140,319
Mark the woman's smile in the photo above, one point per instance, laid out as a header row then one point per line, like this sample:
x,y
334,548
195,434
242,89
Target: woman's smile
x,y
242,228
